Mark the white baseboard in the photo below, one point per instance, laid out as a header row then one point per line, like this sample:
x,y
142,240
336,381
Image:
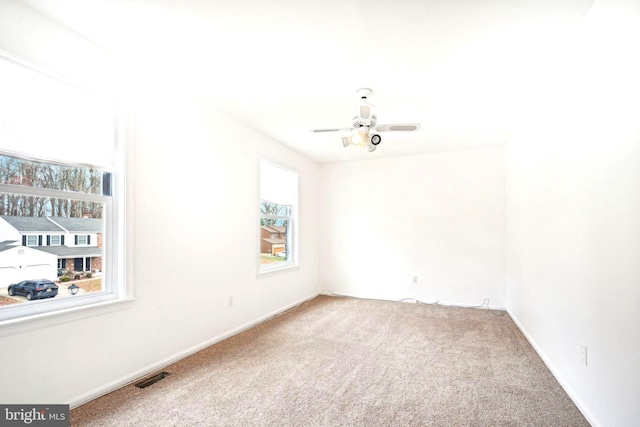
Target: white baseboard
x,y
161,364
464,305
567,388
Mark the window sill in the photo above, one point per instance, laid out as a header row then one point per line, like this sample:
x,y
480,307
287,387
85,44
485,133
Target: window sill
x,y
277,270
43,320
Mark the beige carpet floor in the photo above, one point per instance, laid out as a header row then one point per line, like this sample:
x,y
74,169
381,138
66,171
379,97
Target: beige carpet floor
x,y
352,362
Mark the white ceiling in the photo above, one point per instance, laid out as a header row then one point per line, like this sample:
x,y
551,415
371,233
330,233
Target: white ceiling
x,y
283,67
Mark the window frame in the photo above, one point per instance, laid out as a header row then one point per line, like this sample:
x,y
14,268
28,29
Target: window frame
x,y
31,236
117,293
292,232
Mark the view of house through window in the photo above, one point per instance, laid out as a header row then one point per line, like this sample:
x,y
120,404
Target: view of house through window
x,y
278,204
61,181
274,225
47,242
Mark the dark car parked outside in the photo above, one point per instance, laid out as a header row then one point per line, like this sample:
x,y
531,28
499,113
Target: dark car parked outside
x,y
34,289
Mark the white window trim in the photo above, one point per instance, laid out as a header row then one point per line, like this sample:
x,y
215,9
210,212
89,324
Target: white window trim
x,y
121,296
117,291
44,320
51,237
291,263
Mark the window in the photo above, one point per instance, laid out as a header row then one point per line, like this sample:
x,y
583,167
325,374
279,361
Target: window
x,y
278,216
60,172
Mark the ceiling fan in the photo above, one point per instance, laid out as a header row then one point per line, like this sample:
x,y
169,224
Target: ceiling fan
x,y
364,132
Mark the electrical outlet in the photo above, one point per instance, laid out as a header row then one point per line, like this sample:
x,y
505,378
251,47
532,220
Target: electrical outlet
x,y
583,354
230,302
415,279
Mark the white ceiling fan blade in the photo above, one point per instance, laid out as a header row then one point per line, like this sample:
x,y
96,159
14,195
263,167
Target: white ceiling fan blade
x,y
332,130
406,127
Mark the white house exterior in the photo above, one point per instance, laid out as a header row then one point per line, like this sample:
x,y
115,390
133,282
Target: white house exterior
x,y
19,263
75,243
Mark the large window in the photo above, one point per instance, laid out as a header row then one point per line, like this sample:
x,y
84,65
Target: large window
x,y
278,214
61,178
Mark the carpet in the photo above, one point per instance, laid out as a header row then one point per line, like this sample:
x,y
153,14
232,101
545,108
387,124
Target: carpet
x,y
352,362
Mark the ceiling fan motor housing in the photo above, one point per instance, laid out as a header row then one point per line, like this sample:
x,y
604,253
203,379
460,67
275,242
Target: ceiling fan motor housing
x,y
359,122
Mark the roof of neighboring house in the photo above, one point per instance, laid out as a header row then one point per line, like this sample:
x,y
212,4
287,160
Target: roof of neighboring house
x,y
8,244
30,223
70,252
274,228
275,241
13,245
79,224
60,224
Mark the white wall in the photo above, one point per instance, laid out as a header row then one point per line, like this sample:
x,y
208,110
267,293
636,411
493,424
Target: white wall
x,y
438,216
573,216
36,38
187,257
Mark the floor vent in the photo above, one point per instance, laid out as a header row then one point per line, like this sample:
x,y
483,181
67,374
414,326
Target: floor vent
x,y
151,380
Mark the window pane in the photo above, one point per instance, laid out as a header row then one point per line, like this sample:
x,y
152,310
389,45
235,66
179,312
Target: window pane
x,y
26,173
278,205
278,185
268,208
20,205
58,160
274,240
43,117
48,270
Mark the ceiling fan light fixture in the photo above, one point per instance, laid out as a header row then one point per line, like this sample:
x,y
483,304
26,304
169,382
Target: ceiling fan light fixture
x,y
357,139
